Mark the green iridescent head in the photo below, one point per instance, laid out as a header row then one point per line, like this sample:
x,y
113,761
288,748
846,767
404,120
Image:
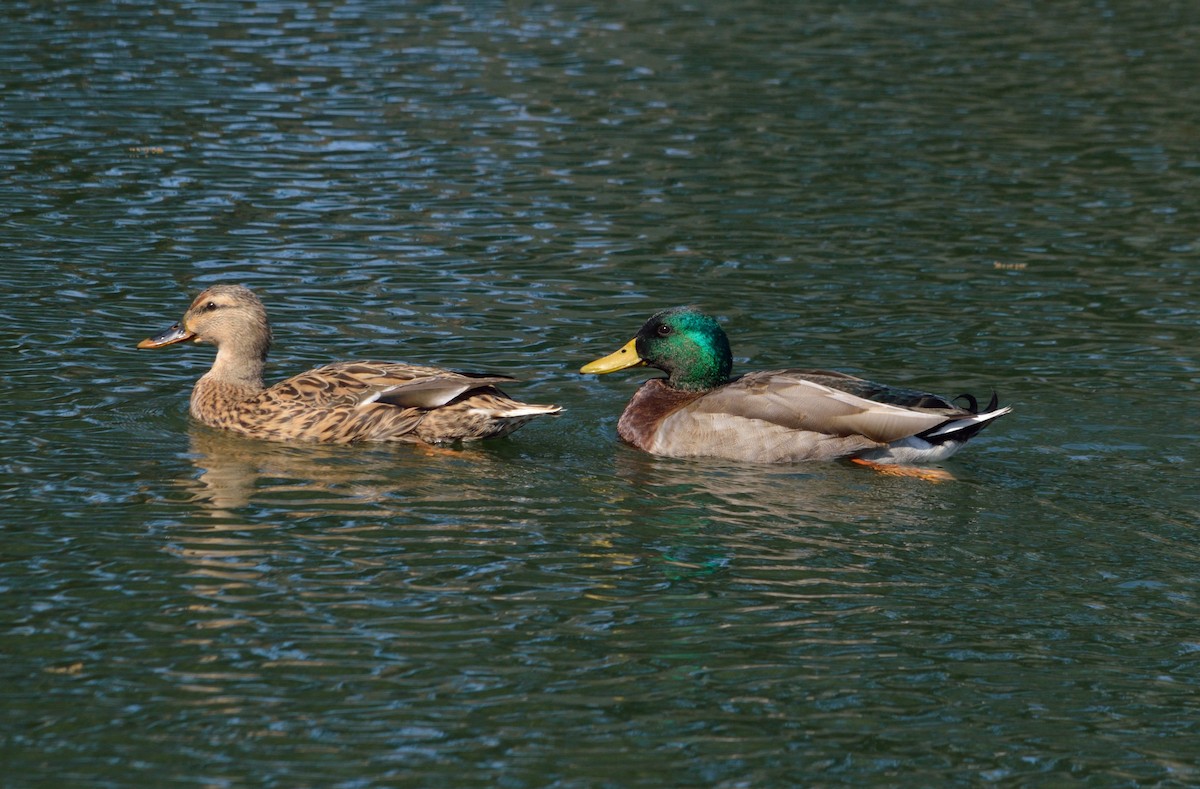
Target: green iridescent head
x,y
689,346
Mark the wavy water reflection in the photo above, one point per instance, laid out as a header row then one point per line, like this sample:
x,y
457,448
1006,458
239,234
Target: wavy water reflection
x,y
949,197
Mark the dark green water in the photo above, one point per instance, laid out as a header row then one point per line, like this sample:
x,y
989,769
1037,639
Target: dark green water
x,y
941,195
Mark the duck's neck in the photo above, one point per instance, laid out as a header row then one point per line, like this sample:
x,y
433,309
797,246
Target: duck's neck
x,y
238,365
233,380
703,372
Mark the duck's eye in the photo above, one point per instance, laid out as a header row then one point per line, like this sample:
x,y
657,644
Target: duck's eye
x,y
663,330
212,305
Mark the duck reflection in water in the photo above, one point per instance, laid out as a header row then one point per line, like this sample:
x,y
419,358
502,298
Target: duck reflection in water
x,y
316,479
766,496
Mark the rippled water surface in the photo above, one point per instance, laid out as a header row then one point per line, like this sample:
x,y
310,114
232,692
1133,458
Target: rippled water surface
x,y
957,197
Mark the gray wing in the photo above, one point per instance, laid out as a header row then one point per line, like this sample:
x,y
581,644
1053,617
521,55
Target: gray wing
x,y
827,404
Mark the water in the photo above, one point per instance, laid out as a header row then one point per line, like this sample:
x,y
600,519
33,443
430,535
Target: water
x,y
941,196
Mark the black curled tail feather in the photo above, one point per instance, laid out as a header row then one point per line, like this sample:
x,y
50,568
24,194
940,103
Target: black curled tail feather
x,y
972,404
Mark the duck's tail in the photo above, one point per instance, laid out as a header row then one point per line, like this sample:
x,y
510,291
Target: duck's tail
x,y
518,410
960,429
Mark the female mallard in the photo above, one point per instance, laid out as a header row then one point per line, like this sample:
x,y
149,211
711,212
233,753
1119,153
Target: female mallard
x,y
775,415
337,403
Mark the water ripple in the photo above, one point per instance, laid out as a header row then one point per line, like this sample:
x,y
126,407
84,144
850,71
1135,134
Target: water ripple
x,y
953,198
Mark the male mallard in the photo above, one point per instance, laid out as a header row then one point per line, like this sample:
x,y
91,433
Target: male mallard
x,y
774,415
337,403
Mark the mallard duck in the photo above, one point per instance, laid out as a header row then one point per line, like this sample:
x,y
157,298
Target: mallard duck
x,y
339,403
775,415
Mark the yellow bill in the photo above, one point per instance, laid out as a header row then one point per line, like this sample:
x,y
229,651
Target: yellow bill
x,y
626,357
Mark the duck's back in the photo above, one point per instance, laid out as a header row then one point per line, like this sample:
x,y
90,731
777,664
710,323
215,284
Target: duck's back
x,y
348,402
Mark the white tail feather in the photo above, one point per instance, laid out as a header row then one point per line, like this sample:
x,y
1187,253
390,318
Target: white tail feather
x,y
966,421
524,410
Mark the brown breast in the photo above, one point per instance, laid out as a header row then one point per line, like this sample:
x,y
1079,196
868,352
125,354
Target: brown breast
x,y
653,402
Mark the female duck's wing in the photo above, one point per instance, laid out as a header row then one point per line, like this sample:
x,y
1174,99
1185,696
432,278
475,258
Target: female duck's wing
x,y
362,383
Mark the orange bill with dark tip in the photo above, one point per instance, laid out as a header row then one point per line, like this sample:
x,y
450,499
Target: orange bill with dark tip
x,y
171,336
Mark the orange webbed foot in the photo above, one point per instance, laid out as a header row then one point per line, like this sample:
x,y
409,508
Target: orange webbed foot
x,y
436,450
927,474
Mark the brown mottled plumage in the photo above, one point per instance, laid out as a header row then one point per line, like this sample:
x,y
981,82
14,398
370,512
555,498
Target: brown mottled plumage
x,y
339,403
